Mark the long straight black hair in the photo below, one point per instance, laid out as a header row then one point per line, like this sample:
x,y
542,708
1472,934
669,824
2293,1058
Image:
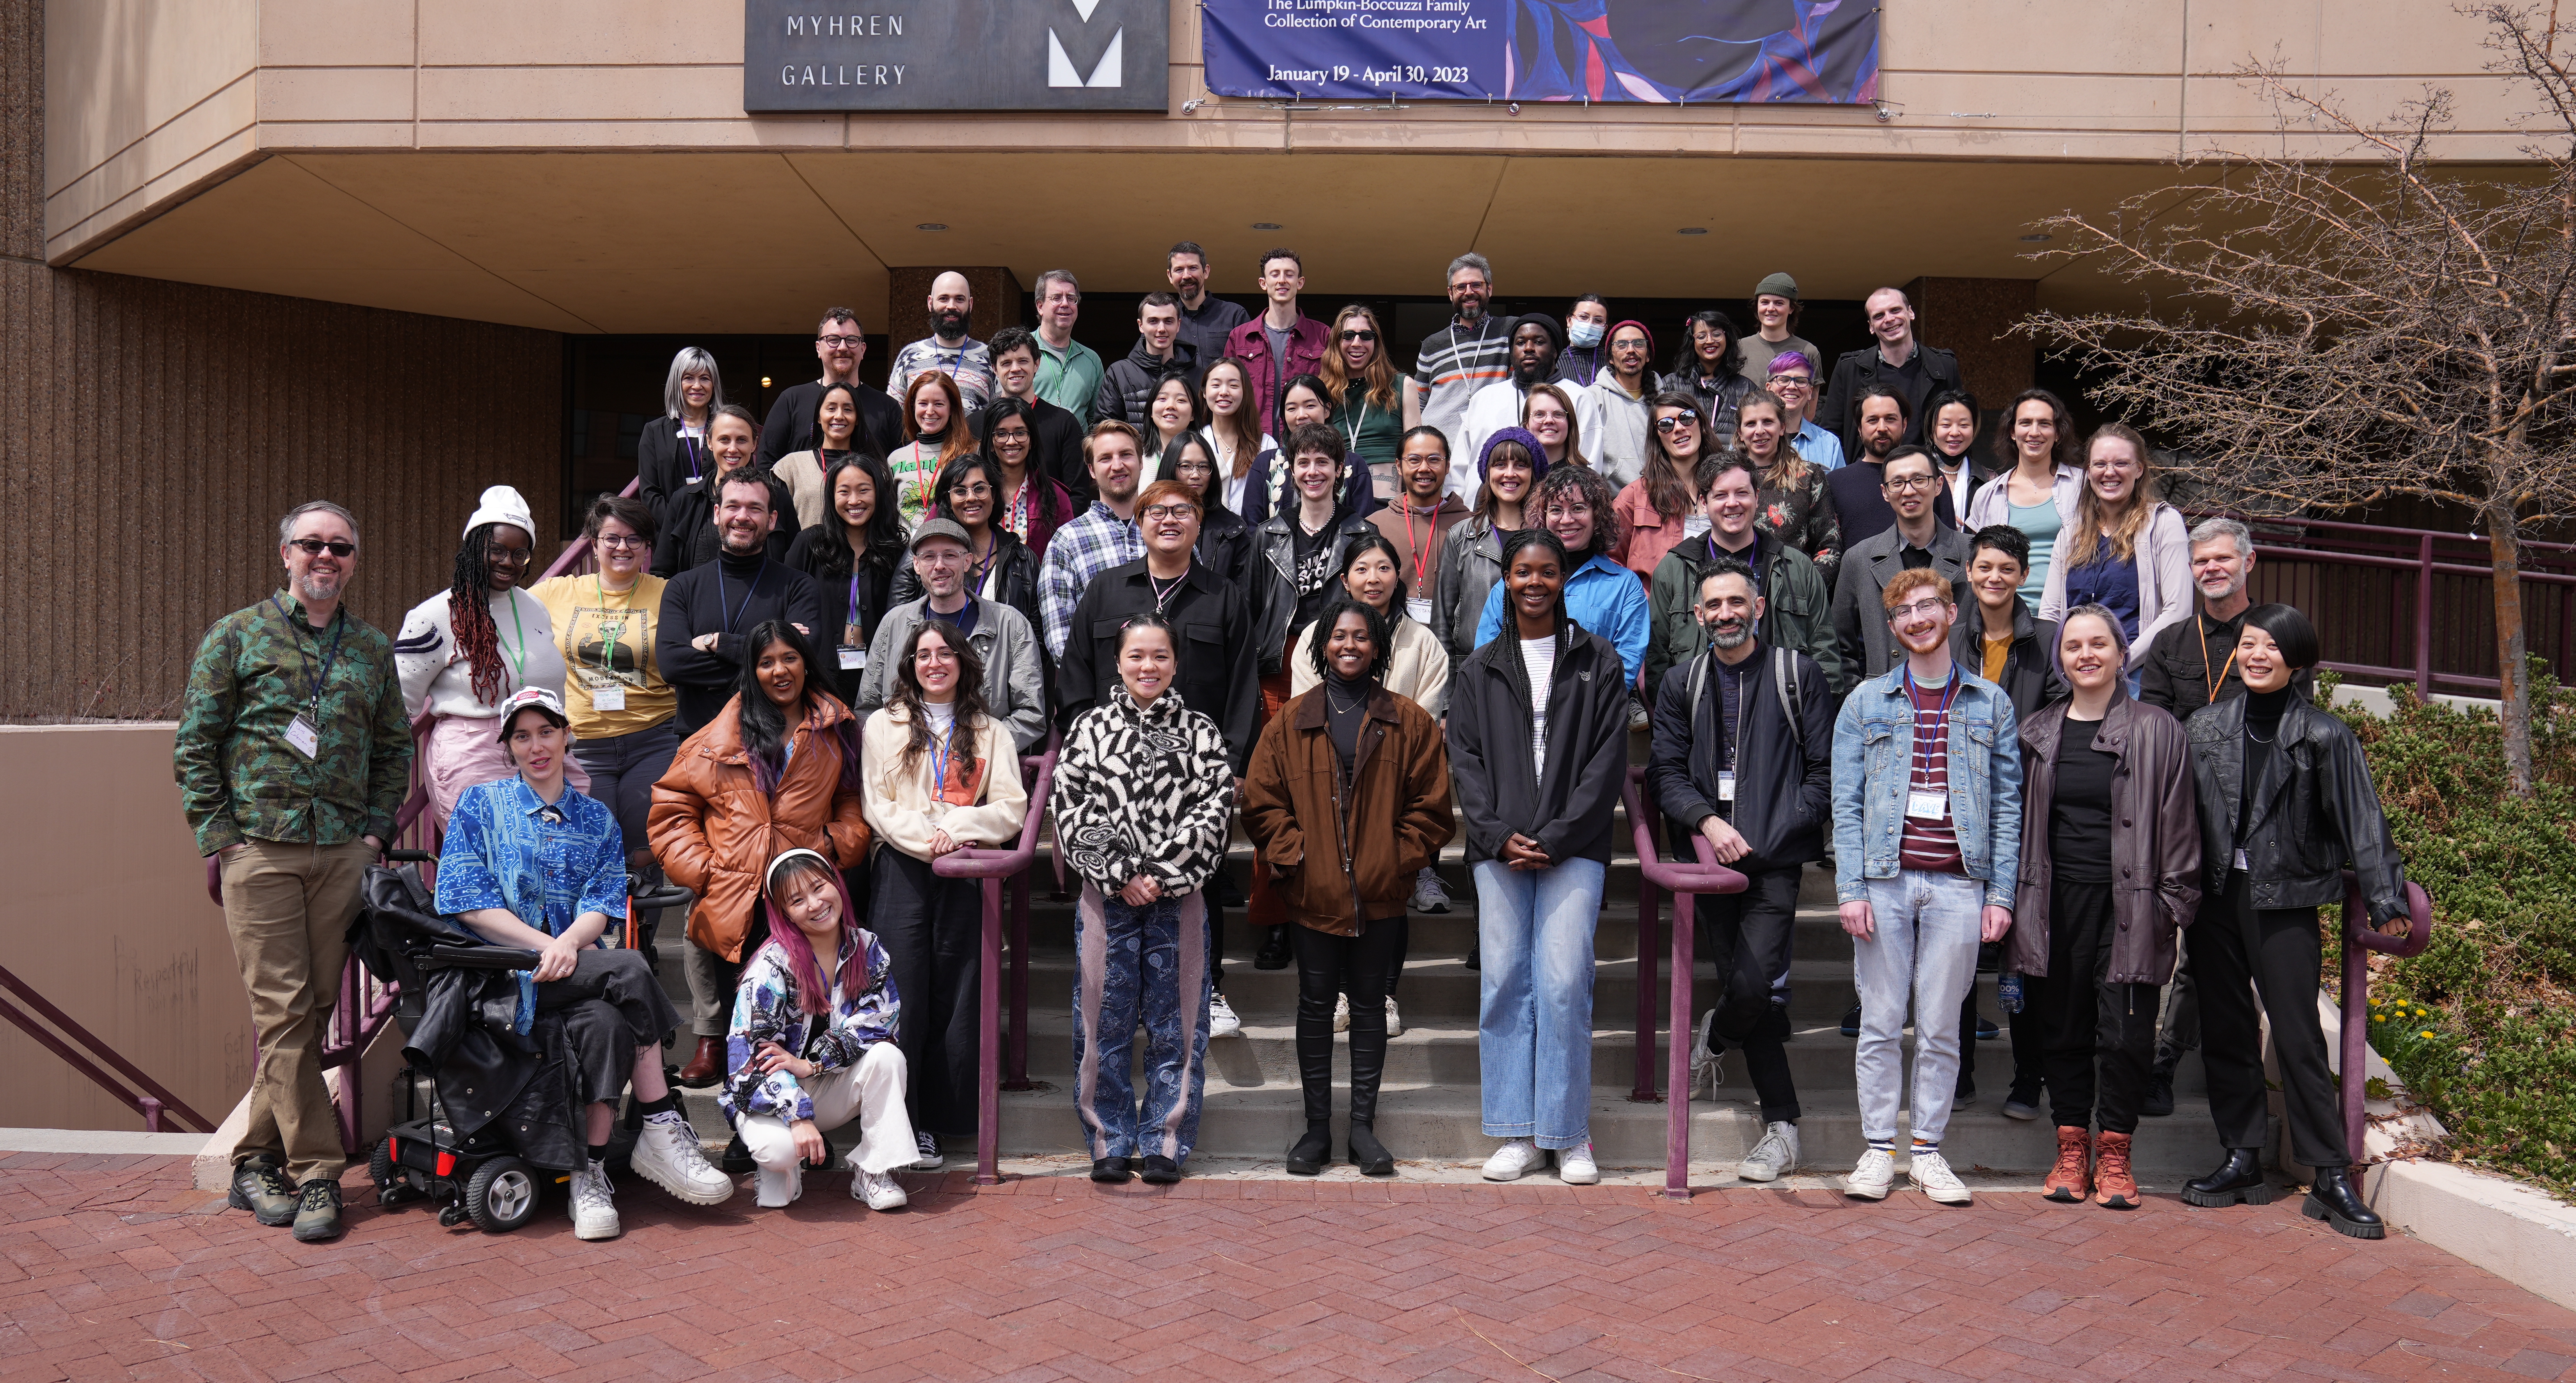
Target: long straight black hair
x,y
764,723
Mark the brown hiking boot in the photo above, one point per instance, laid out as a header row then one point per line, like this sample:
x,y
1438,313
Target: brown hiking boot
x,y
2072,1179
2114,1185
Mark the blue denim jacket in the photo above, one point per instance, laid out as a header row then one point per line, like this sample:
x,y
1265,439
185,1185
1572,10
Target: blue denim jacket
x,y
1873,738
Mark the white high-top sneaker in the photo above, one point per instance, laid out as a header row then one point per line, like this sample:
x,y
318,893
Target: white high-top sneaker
x,y
1774,1157
594,1212
667,1154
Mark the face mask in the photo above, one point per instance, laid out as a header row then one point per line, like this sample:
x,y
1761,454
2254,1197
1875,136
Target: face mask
x,y
1584,334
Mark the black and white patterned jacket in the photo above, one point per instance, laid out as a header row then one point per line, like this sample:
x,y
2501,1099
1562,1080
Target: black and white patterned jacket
x,y
1143,790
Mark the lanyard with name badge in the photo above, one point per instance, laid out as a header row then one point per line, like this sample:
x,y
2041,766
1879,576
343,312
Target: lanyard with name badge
x,y
1419,606
302,730
1743,699
613,696
2198,622
854,649
1926,806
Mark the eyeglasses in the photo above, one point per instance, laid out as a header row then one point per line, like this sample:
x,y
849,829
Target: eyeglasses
x,y
1793,381
1160,512
934,655
1016,434
1920,607
1911,482
1359,336
315,547
978,490
1678,423
620,542
512,556
1557,511
841,343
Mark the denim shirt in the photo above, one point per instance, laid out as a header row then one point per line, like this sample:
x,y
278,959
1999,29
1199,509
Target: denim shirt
x,y
1873,744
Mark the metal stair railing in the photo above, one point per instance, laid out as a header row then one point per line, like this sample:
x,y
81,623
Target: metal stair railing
x,y
991,867
1683,882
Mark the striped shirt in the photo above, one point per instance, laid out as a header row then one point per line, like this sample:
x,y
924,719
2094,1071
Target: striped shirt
x,y
1455,362
1930,844
1538,659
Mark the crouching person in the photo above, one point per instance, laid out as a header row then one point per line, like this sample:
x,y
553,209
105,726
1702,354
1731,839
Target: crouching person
x,y
530,862
813,1045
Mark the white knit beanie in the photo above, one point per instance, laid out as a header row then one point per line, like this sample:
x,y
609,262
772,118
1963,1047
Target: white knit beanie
x,y
501,504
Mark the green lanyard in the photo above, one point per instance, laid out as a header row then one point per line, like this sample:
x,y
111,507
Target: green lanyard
x,y
608,632
518,660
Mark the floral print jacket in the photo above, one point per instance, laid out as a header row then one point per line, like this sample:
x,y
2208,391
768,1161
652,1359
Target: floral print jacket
x,y
765,1011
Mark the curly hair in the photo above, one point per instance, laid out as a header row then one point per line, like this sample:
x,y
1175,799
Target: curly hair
x,y
1380,640
1596,492
969,699
469,614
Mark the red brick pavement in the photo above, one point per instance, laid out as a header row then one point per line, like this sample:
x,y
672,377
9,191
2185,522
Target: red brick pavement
x,y
111,1268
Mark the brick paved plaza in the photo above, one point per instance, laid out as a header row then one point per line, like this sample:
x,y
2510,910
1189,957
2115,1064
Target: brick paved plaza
x,y
111,1268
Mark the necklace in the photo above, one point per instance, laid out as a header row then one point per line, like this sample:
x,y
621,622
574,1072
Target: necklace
x,y
1335,703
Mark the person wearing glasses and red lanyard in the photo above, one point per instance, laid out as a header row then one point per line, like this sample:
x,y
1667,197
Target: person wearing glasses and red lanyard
x,y
462,652
1420,516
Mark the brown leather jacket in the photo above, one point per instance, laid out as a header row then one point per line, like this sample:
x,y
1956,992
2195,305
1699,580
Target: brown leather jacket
x,y
2155,839
1292,807
714,831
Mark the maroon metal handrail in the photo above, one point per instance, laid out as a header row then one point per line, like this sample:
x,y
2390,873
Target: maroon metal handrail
x,y
992,867
82,1051
2359,940
1683,882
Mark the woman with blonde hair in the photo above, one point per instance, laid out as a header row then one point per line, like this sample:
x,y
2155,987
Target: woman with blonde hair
x,y
2125,549
1367,409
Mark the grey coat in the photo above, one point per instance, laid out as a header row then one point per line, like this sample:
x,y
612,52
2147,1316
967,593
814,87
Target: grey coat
x,y
1860,622
1014,681
1471,561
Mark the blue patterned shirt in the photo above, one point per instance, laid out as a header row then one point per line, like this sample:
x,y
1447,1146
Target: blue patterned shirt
x,y
765,1011
501,851
1079,551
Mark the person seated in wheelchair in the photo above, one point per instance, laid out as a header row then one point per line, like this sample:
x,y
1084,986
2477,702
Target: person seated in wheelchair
x,y
813,1043
529,862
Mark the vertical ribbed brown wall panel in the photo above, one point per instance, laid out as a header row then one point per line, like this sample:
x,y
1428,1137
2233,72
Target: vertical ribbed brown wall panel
x,y
154,432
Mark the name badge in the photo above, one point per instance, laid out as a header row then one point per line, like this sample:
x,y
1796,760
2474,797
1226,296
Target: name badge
x,y
301,734
1694,525
2240,862
1726,786
608,698
1419,607
1927,806
853,659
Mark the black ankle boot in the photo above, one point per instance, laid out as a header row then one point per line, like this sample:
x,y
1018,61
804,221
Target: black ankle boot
x,y
2334,1199
1274,953
2239,1178
1309,1154
1368,1154
2159,1100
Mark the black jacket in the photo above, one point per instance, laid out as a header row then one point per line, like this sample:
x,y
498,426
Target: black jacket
x,y
832,594
1274,579
1055,448
790,428
1215,676
1128,385
690,538
1015,578
1858,369
670,466
1860,501
699,601
2030,674
1225,545
1568,811
2174,676
2314,810
1784,775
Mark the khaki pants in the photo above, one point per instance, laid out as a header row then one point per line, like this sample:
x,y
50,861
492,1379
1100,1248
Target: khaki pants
x,y
288,908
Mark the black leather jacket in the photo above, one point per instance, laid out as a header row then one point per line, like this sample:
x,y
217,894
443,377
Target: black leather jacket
x,y
2314,810
1273,581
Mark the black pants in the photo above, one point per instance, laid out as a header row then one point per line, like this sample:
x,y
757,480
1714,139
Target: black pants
x,y
1749,936
612,1007
932,929
2236,952
2088,1023
1329,965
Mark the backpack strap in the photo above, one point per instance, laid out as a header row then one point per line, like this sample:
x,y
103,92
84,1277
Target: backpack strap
x,y
1784,684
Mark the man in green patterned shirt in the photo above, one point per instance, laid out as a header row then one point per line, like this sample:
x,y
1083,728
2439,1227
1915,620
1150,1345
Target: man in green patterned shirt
x,y
293,757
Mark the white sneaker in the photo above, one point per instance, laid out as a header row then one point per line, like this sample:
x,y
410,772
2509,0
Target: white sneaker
x,y
1575,1167
1930,1172
1512,1159
594,1213
1869,1180
879,1189
1428,893
1394,1021
1221,1019
1774,1157
667,1154
1707,1066
778,1190
1341,1013
928,1145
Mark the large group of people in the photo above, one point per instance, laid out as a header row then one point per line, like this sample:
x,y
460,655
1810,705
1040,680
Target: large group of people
x,y
1251,573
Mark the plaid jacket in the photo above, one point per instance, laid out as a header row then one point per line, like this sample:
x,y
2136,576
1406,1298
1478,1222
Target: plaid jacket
x,y
1078,552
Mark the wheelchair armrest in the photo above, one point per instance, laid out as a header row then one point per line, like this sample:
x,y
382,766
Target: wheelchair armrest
x,y
662,896
445,956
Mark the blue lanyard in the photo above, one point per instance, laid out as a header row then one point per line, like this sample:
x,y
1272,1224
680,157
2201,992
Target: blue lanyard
x,y
939,749
690,444
1920,757
745,606
313,684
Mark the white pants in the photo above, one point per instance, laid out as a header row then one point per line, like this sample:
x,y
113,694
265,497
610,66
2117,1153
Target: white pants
x,y
870,1092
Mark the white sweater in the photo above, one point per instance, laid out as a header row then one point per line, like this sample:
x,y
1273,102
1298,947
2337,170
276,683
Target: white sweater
x,y
435,677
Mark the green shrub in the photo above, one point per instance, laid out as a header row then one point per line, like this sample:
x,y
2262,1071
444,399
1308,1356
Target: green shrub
x,y
2497,988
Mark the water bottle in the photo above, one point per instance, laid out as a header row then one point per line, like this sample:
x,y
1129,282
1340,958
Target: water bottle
x,y
2008,991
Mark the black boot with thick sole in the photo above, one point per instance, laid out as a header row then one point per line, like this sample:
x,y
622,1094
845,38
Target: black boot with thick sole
x,y
2334,1199
2239,1178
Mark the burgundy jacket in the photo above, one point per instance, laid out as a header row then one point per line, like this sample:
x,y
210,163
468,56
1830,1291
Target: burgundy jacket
x,y
1307,341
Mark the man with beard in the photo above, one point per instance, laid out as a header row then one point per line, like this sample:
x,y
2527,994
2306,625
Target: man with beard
x,y
1796,606
1471,352
709,611
1855,488
1611,415
1535,341
840,345
1206,320
1099,538
947,348
293,755
1127,389
1743,757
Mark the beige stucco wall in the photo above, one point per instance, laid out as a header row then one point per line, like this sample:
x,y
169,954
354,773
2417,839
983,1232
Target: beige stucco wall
x,y
105,913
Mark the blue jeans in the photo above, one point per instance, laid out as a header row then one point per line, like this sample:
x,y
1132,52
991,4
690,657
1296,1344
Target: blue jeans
x,y
623,769
1925,950
1534,1019
1149,962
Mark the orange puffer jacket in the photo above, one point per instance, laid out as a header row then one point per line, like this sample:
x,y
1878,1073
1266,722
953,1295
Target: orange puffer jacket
x,y
714,831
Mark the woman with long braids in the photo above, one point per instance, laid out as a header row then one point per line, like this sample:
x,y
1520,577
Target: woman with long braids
x,y
941,775
1348,796
462,652
852,555
777,769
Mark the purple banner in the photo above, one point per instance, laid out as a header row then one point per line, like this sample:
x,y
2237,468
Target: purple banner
x,y
1659,51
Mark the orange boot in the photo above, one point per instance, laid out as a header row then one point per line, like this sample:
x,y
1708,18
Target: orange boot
x,y
2072,1179
2114,1185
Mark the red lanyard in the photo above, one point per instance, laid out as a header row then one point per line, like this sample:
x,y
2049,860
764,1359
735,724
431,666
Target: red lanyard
x,y
1421,546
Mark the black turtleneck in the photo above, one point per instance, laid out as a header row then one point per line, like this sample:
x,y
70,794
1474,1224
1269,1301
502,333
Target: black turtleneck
x,y
1345,711
2263,711
729,597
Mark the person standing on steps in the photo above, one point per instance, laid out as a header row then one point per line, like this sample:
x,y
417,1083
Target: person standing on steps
x,y
293,755
1206,320
671,456
1054,443
1538,748
997,566
1743,756
699,645
1861,501
1897,359
1917,542
1775,317
851,554
1471,558
1794,599
2286,804
1709,367
1474,350
838,436
839,344
947,349
1005,646
1144,798
621,708
1420,519
1127,386
1573,504
1793,383
2127,549
1535,340
1104,535
2037,488
2110,875
1069,372
1282,343
1348,797
1796,504
1611,411
1927,841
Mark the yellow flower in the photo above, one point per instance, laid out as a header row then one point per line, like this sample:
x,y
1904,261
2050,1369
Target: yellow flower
x,y
2428,1032
2379,1017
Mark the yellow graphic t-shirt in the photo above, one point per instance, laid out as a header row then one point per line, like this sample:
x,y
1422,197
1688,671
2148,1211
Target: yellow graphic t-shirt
x,y
607,642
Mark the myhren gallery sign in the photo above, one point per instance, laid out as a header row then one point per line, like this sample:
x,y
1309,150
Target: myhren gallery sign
x,y
956,55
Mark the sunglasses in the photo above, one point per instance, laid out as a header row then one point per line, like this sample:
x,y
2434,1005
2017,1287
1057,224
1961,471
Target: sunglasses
x,y
1359,336
315,547
1678,423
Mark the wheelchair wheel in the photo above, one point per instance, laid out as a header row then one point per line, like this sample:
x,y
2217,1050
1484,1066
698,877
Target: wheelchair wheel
x,y
502,1195
380,1166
